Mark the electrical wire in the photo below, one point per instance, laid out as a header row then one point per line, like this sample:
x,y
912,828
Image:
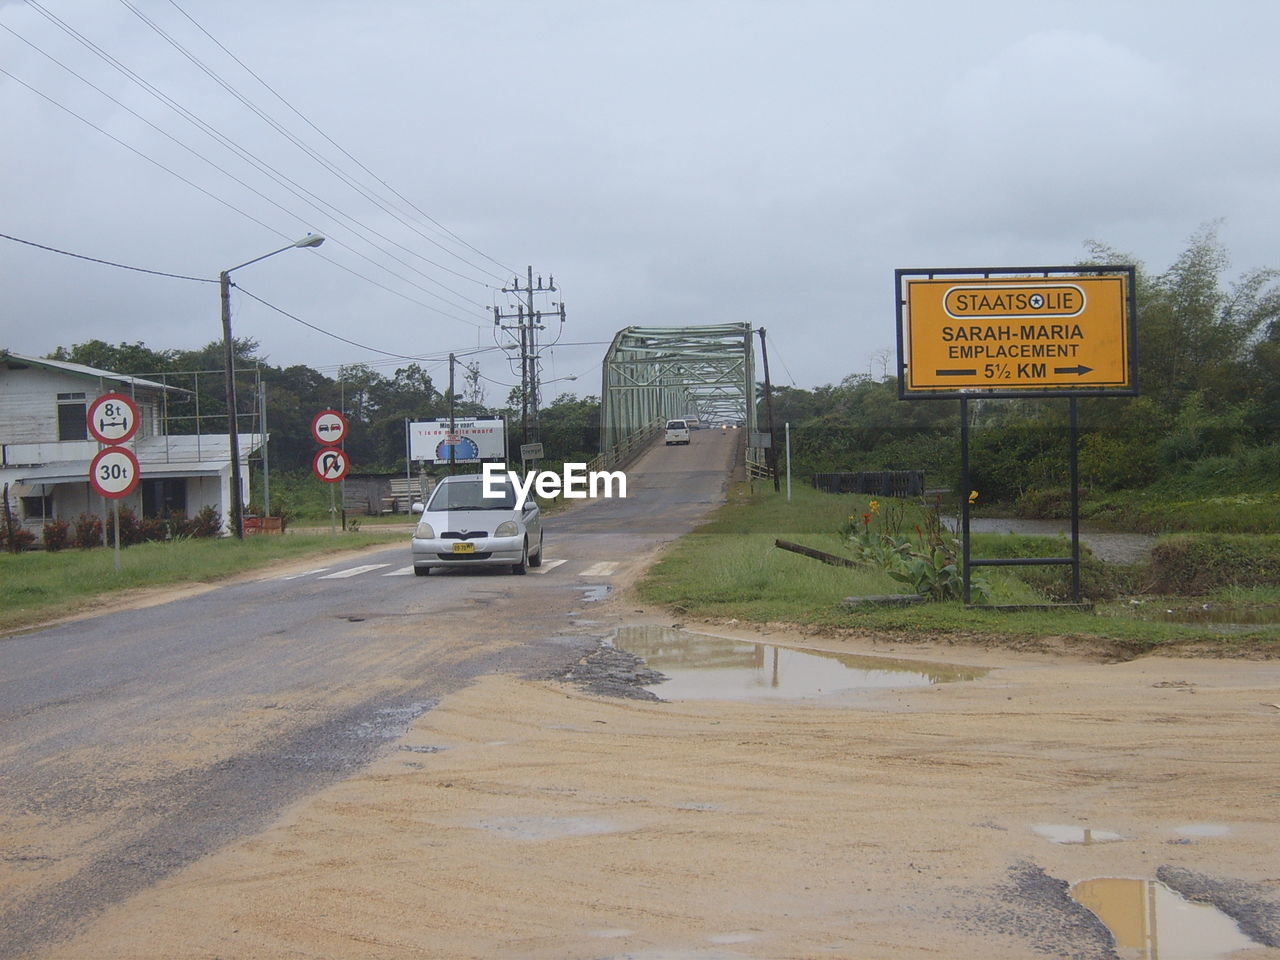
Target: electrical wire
x,y
292,186
334,143
212,196
288,135
263,196
109,263
317,329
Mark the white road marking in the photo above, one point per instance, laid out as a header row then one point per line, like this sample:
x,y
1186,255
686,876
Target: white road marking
x,y
355,571
547,565
605,568
402,572
299,576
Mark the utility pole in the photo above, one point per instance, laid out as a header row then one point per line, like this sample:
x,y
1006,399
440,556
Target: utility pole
x,y
528,323
453,426
771,456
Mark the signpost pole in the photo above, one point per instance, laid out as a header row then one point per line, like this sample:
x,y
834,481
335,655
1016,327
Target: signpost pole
x,y
964,492
115,513
266,456
453,422
408,464
1075,502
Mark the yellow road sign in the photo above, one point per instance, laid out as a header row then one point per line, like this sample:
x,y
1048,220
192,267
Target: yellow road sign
x,y
1014,333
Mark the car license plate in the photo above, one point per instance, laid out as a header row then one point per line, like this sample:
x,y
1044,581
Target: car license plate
x,y
464,546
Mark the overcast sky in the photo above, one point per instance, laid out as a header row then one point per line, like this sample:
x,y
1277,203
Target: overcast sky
x,y
671,162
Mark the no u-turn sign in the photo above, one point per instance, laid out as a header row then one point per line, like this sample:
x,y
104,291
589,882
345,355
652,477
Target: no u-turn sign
x,y
330,464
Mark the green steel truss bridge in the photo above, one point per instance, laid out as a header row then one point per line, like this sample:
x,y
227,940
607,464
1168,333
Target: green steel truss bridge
x,y
652,374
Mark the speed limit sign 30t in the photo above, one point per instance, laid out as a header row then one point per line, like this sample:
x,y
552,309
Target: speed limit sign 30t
x,y
114,472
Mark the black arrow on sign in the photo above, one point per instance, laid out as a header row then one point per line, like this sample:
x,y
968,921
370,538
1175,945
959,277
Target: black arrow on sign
x,y
1081,370
956,373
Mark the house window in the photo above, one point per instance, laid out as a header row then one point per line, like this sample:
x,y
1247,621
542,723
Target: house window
x,y
72,417
37,508
163,498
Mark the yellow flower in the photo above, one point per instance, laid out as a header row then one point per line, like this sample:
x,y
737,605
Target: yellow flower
x,y
973,496
875,506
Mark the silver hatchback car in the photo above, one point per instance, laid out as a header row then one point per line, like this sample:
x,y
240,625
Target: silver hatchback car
x,y
461,527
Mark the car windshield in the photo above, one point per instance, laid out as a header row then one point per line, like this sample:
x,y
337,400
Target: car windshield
x,y
469,495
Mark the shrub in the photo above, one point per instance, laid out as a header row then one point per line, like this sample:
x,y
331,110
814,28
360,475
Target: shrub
x,y
130,532
151,529
1114,463
930,564
22,538
1200,563
88,531
55,535
206,523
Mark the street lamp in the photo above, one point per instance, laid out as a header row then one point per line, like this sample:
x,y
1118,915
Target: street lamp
x,y
228,347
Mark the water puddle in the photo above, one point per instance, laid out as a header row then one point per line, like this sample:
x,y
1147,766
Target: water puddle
x,y
1056,833
1222,615
705,667
596,593
546,828
1147,917
1202,830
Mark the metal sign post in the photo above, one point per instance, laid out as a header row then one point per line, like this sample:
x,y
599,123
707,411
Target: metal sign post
x,y
1005,332
114,473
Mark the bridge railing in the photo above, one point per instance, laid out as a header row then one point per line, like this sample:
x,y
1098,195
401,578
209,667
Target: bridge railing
x,y
628,448
757,468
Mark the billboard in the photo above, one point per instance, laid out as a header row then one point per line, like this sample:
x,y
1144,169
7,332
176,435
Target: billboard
x,y
471,441
998,332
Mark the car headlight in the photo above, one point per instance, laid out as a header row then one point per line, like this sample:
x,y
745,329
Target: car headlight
x,y
424,531
507,528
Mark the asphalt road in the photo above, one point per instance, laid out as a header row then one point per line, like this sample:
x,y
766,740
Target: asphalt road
x,y
134,743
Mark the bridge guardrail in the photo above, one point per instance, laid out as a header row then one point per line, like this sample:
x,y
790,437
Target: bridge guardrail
x,y
630,447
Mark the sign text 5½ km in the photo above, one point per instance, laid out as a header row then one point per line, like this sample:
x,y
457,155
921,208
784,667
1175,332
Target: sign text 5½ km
x,y
1008,333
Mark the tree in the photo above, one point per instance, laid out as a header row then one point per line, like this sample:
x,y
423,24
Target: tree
x,y
569,428
132,358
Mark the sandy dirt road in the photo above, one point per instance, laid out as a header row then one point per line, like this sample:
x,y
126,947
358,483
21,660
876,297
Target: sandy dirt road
x,y
533,819
527,815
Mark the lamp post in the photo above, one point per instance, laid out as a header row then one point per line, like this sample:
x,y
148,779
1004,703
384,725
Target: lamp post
x,y
228,347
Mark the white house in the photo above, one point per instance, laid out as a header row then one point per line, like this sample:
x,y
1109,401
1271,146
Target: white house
x,y
46,448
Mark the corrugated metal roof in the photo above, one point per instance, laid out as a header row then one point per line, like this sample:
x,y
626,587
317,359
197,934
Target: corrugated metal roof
x,y
17,361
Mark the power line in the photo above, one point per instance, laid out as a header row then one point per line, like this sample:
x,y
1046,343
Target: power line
x,y
262,166
337,145
232,176
226,203
296,141
109,263
327,333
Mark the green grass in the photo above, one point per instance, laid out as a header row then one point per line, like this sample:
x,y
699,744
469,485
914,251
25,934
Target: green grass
x,y
729,568
40,585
